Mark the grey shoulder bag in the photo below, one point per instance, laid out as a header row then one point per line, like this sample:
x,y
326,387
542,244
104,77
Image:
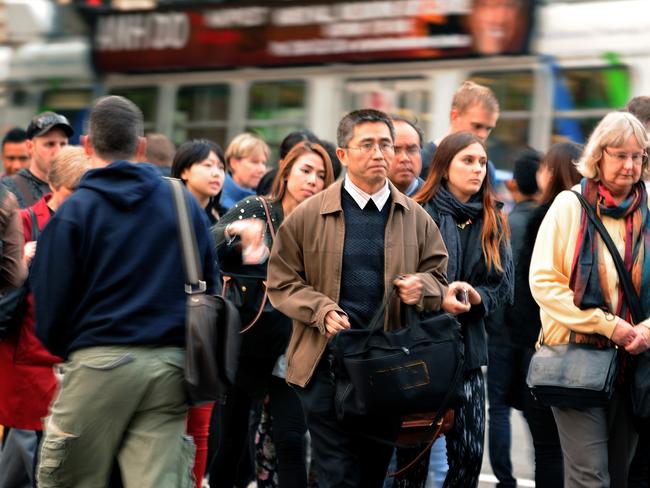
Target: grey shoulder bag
x,y
576,375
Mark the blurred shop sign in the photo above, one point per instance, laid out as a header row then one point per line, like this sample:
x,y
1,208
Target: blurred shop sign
x,y
294,32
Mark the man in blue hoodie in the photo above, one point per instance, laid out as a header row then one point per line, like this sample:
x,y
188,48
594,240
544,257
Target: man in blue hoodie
x,y
108,282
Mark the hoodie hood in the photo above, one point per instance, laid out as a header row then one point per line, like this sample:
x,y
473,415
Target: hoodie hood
x,y
124,184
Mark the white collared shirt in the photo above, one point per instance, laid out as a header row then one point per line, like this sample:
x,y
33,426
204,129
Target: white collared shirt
x,y
361,197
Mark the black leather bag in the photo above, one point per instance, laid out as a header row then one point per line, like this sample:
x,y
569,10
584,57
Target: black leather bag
x,y
211,325
13,303
400,372
573,375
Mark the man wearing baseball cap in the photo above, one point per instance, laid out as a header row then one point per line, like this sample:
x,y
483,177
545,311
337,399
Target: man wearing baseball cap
x,y
47,133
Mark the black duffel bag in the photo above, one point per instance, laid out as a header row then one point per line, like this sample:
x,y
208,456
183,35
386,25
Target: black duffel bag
x,y
398,372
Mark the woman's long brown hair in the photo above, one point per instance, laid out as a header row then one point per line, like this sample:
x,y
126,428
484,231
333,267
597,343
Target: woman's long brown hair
x,y
279,187
491,237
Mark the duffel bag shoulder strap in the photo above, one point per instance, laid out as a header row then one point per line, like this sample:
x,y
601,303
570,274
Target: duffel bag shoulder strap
x,y
193,275
631,296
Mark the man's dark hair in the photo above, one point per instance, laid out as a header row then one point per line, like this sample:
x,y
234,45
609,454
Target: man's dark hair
x,y
640,108
345,131
14,135
330,147
114,128
294,138
525,171
413,124
193,152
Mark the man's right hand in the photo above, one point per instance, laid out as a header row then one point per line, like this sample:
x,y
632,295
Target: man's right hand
x,y
335,323
623,334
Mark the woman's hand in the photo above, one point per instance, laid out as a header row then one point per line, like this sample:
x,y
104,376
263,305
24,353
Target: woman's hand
x,y
29,252
624,334
641,342
410,289
250,231
451,303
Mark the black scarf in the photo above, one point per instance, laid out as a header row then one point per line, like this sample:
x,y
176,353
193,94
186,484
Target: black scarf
x,y
450,213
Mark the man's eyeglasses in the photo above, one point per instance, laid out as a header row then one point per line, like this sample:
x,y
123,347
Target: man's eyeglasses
x,y
622,157
369,147
411,149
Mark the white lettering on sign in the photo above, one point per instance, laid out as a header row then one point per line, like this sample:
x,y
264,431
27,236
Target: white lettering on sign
x,y
341,46
290,16
230,18
142,31
365,29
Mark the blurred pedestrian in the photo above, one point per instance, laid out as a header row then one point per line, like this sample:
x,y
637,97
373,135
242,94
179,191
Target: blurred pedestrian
x,y
15,154
574,281
458,195
243,232
160,152
47,133
640,467
246,158
28,384
330,269
556,173
12,268
108,282
474,109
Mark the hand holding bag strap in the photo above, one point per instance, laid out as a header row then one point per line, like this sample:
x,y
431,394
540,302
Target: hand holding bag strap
x,y
629,292
189,247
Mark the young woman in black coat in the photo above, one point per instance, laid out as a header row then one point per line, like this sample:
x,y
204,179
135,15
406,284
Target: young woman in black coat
x,y
459,197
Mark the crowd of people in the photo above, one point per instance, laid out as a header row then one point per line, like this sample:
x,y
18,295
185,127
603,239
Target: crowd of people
x,y
93,395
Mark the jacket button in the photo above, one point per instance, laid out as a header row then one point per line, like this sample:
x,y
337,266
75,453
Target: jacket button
x,y
243,288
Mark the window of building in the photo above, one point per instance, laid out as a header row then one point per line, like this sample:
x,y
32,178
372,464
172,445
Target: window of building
x,y
583,96
74,104
276,108
405,97
202,113
514,91
146,98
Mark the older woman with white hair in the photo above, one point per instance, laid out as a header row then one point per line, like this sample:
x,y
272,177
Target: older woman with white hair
x,y
575,283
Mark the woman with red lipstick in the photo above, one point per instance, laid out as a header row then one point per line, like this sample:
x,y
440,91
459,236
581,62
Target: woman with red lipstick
x,y
243,244
459,197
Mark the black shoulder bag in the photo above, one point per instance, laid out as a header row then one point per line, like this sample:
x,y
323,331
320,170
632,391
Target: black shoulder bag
x,y
211,323
580,375
13,303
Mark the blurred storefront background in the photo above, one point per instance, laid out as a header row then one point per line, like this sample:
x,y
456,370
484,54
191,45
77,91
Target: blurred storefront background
x,y
215,68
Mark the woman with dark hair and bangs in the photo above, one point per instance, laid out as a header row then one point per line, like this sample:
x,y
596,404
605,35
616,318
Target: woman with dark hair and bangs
x,y
200,163
460,199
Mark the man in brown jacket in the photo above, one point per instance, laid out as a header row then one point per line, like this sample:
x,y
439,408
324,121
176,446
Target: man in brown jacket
x,y
333,260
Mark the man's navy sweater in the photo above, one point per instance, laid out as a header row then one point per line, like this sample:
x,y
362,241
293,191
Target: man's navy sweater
x,y
362,275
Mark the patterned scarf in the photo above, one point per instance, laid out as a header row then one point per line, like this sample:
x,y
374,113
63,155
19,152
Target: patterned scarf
x,y
589,273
